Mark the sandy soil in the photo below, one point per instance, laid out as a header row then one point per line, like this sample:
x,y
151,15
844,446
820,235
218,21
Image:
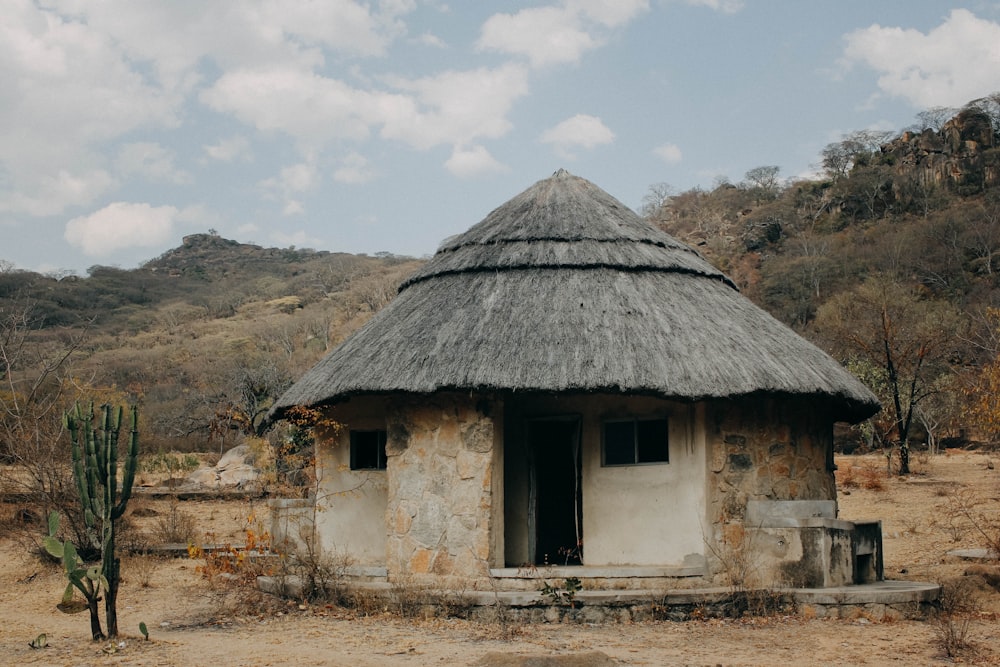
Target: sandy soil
x,y
196,622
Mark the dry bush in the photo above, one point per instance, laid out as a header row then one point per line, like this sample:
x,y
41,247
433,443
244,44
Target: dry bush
x,y
365,602
501,625
869,475
140,568
176,526
735,553
965,511
238,566
847,476
323,577
750,594
406,598
958,603
872,477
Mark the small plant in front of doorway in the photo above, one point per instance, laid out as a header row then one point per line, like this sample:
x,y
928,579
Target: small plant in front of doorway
x,y
565,594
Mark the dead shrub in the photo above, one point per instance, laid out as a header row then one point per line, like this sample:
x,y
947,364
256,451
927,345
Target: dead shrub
x,y
141,568
846,477
872,477
323,577
365,602
958,603
176,526
963,512
501,624
749,594
406,598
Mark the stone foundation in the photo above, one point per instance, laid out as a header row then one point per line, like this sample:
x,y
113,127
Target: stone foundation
x,y
877,602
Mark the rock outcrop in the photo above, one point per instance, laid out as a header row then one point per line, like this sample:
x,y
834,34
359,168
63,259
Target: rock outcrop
x,y
962,156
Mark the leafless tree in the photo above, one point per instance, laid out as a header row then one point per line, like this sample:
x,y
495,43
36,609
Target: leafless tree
x,y
655,198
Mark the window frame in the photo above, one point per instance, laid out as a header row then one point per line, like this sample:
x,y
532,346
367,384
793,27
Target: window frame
x,y
634,421
355,444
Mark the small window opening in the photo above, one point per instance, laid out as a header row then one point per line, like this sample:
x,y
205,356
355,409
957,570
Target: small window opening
x,y
367,450
635,441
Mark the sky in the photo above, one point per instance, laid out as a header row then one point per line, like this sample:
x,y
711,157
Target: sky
x,y
390,125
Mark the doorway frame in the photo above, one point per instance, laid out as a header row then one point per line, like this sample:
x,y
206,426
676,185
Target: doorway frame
x,y
577,450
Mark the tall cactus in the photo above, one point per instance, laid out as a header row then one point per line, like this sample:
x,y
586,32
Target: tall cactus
x,y
95,470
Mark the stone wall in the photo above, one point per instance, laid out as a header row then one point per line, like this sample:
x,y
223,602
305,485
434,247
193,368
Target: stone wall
x,y
442,454
764,450
767,449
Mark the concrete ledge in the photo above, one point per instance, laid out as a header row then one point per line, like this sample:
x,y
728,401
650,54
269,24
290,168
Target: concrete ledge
x,y
881,592
763,512
597,572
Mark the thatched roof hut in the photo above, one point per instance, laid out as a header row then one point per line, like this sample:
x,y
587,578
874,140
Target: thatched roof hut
x,y
564,289
564,380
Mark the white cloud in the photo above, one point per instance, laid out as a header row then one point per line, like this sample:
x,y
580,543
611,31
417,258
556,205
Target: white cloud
x,y
229,150
556,34
432,40
724,6
290,182
49,194
121,225
67,88
669,153
293,207
152,161
78,76
301,103
354,169
544,35
455,107
580,131
611,13
471,161
954,63
447,108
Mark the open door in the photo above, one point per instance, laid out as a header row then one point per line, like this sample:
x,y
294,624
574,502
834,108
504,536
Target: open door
x,y
555,503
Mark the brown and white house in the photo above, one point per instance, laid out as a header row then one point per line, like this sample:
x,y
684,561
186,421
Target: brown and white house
x,y
565,388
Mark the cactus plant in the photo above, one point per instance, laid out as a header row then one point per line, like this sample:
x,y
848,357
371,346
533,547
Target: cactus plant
x,y
95,471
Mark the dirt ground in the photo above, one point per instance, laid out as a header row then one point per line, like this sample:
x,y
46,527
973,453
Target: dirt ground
x,y
193,621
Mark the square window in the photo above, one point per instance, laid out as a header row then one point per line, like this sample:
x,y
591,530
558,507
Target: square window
x,y
367,450
635,441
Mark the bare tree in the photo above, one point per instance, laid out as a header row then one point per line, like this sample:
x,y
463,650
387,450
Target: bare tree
x,y
764,182
37,388
856,148
655,198
934,118
887,325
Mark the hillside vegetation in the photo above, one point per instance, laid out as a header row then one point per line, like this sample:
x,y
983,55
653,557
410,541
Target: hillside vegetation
x,y
890,261
203,337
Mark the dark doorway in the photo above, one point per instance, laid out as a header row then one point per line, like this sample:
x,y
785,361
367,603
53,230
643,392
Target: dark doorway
x,y
556,507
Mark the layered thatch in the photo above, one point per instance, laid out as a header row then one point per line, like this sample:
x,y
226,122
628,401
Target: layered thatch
x,y
565,289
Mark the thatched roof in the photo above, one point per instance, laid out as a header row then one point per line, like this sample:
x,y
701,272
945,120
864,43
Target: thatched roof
x,y
565,289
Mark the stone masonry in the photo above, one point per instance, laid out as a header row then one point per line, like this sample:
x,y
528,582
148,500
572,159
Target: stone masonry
x,y
439,516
